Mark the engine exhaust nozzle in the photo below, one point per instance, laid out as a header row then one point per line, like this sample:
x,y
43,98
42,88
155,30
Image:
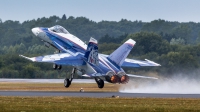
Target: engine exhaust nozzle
x,y
123,77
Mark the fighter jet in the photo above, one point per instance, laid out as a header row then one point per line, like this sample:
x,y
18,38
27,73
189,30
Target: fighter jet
x,y
85,59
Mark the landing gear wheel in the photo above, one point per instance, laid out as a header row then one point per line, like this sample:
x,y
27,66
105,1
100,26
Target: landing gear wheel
x,y
100,82
59,67
67,83
55,66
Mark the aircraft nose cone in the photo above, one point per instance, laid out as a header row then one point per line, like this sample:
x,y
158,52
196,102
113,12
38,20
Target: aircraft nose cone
x,y
36,31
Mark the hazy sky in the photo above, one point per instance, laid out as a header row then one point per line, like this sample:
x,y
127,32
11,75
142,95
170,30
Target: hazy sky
x,y
98,10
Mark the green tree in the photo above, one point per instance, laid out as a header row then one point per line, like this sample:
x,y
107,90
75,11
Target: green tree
x,y
148,42
64,17
177,41
30,71
184,32
175,62
159,26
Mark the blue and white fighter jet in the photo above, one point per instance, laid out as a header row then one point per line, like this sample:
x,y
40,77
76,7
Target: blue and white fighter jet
x,y
85,59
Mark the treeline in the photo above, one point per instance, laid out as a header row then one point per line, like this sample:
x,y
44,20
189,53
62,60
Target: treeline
x,y
14,32
174,58
172,44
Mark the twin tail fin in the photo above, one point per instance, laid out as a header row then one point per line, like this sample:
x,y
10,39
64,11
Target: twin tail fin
x,y
92,52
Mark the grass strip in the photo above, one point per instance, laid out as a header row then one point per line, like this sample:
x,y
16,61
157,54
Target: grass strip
x,y
20,86
59,104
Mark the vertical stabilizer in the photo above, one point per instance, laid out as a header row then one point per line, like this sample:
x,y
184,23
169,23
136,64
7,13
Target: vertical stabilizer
x,y
120,54
92,52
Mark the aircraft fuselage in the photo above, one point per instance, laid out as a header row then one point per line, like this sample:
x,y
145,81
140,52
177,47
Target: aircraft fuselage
x,y
67,42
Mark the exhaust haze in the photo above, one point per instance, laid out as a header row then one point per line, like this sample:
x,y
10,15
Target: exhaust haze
x,y
174,85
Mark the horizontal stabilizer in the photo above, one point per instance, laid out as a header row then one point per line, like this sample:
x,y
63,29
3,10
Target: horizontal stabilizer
x,y
138,63
153,63
139,76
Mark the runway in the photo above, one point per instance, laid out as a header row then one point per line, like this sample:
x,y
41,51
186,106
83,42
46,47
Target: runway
x,y
95,94
47,80
85,94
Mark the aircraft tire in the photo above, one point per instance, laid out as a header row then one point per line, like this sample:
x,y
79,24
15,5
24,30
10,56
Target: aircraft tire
x,y
67,83
55,66
59,67
100,83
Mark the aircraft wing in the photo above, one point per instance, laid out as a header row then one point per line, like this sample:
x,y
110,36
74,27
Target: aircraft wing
x,y
140,76
138,63
60,59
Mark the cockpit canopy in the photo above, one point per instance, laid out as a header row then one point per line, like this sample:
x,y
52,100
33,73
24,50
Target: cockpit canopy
x,y
59,29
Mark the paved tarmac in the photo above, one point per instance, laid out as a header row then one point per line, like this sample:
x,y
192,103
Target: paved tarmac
x,y
84,94
96,94
47,80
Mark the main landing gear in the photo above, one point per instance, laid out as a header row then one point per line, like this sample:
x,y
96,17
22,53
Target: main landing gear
x,y
57,67
67,82
99,82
